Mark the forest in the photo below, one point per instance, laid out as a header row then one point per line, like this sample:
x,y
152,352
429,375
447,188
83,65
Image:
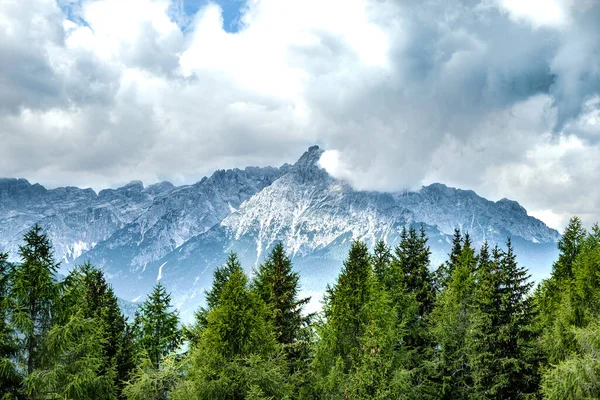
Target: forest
x,y
391,327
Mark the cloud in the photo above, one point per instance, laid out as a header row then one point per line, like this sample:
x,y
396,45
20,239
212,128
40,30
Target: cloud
x,y
495,95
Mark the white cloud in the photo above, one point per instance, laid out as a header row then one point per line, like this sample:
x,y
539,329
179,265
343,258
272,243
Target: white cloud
x,y
553,13
401,92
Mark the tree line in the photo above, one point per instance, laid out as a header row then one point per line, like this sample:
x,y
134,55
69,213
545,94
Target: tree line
x,y
391,327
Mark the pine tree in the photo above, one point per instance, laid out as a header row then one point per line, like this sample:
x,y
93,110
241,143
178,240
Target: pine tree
x,y
9,375
412,255
159,331
483,348
411,258
569,247
576,345
451,320
220,277
236,354
277,284
76,364
357,356
34,293
444,272
344,308
556,298
79,348
501,340
382,261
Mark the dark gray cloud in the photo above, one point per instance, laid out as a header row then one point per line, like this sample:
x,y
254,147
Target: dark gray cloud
x,y
495,95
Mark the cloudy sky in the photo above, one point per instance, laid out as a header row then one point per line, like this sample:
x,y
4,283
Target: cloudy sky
x,y
498,96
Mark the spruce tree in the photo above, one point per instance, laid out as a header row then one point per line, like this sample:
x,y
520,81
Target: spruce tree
x,y
220,277
80,349
412,255
159,330
501,339
34,293
556,301
357,356
344,308
277,284
236,355
382,260
411,258
451,321
9,375
444,272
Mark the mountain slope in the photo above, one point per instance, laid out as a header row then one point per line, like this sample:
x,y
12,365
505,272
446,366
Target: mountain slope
x,y
180,234
316,217
176,216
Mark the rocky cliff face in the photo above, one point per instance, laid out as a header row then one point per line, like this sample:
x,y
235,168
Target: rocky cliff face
x,y
180,234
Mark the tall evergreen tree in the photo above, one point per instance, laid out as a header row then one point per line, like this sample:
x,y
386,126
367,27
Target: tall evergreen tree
x,y
159,330
501,339
357,355
9,375
34,293
451,321
412,255
411,258
444,272
221,276
277,284
344,308
382,261
236,355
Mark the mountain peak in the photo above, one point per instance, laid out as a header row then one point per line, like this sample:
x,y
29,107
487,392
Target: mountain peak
x,y
307,167
310,156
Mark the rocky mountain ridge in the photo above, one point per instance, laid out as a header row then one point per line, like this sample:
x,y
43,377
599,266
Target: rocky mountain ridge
x,y
178,235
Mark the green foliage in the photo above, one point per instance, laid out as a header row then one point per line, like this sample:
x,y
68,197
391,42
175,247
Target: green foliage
x,y
578,377
501,337
277,284
158,331
389,329
451,322
151,383
9,347
236,354
34,294
77,364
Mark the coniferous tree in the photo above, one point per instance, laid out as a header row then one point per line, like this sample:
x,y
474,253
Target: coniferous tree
x,y
451,321
9,375
382,261
78,363
344,308
34,294
236,354
577,372
411,258
412,255
357,355
444,272
159,325
277,284
501,340
555,298
220,277
483,346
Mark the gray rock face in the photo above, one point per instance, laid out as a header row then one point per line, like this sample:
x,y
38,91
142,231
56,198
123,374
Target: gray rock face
x,y
180,234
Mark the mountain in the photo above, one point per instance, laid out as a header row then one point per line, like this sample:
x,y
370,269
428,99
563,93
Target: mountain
x,y
76,219
180,234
